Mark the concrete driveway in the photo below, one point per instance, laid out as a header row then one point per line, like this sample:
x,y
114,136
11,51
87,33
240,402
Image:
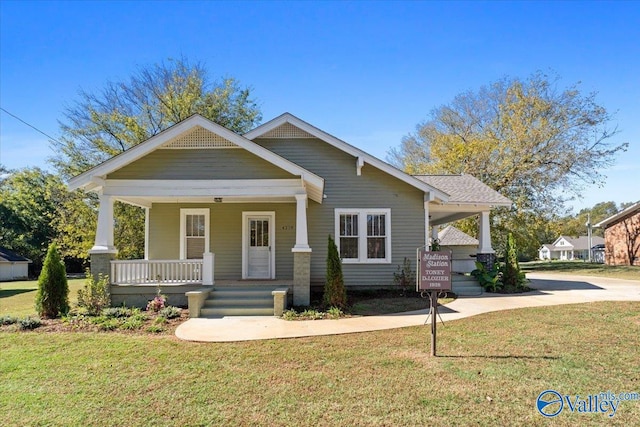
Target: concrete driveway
x,y
550,289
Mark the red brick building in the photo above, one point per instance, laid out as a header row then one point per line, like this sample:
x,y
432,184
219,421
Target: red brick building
x,y
622,237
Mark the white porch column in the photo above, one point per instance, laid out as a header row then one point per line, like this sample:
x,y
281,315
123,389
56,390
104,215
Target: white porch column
x,y
485,234
434,234
104,232
146,233
426,221
301,255
302,240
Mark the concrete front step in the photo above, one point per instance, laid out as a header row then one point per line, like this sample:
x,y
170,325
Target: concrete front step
x,y
465,285
218,301
243,292
467,290
457,277
238,301
236,311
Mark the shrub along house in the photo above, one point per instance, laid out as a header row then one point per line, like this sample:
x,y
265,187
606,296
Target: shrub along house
x,y
229,214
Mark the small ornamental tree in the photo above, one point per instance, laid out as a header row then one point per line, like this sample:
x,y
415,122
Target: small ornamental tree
x,y
52,298
512,277
335,294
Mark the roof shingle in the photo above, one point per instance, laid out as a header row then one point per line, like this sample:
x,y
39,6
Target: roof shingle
x,y
465,189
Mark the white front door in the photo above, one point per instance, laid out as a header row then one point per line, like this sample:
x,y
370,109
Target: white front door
x,y
258,243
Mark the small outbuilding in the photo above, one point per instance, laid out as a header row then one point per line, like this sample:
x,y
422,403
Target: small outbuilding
x,y
12,265
462,246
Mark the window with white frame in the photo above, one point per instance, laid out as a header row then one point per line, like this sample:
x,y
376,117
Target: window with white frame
x,y
363,235
194,233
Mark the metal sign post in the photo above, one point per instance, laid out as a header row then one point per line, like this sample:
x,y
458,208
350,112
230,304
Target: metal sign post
x,y
434,276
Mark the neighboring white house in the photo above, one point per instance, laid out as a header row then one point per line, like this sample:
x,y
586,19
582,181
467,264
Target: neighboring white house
x,y
12,265
569,248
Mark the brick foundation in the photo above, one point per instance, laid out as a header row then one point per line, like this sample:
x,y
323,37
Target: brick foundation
x,y
301,278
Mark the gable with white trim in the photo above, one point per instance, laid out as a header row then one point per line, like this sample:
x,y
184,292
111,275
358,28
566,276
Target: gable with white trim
x,y
196,153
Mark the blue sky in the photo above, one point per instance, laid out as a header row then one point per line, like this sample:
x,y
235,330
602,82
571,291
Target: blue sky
x,y
366,72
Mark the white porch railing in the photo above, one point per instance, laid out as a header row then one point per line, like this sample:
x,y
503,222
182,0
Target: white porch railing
x,y
140,272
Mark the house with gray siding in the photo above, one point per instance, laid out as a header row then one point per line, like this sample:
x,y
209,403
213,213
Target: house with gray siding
x,y
228,213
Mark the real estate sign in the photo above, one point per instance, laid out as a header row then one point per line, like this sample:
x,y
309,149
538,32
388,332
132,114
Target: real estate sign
x,y
434,270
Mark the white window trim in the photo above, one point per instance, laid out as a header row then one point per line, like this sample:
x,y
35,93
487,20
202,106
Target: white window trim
x,y
183,221
362,234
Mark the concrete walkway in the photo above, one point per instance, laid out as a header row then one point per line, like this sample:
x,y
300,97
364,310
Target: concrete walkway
x,y
551,289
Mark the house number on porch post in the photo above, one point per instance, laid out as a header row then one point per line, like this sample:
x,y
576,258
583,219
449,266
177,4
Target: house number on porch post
x,y
434,276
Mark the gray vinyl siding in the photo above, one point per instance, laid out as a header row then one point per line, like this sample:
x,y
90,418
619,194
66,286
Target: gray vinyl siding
x,y
344,189
225,234
200,164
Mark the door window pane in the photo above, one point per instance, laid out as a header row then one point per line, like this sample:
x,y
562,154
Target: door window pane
x,y
259,233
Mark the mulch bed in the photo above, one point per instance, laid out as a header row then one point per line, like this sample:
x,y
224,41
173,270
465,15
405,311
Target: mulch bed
x,y
84,325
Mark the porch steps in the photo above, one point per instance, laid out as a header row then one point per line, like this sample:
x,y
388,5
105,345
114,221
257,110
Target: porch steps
x,y
464,285
238,301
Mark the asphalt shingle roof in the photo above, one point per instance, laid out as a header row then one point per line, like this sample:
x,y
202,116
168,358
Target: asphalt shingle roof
x,y
451,236
465,189
579,243
7,255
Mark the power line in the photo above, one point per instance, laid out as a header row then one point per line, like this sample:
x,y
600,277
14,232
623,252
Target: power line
x,y
30,125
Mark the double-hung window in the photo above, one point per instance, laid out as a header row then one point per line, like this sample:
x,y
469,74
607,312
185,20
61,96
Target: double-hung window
x,y
194,233
363,235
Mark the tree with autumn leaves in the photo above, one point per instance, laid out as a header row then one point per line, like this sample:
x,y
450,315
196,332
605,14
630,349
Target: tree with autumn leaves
x,y
529,139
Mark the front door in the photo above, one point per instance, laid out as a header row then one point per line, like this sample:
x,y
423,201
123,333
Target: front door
x,y
259,245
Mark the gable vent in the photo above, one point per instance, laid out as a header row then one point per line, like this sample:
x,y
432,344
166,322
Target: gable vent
x,y
287,130
200,138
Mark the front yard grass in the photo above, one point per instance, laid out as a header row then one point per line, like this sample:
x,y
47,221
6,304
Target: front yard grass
x,y
582,268
490,371
18,298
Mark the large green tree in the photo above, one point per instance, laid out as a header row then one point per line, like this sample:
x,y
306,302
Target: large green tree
x,y
36,209
123,114
576,225
100,125
529,139
28,200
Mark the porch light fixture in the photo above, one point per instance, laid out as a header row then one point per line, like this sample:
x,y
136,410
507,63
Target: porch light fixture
x,y
217,199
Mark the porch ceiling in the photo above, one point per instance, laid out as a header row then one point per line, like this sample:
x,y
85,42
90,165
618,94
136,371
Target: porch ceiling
x,y
443,214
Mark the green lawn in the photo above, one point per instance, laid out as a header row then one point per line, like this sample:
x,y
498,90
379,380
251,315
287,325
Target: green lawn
x,y
18,298
583,269
490,371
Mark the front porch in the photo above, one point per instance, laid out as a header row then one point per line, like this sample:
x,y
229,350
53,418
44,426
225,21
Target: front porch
x,y
190,283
